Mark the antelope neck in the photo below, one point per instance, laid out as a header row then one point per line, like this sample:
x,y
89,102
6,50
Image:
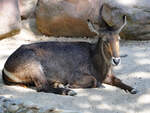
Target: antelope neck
x,y
103,53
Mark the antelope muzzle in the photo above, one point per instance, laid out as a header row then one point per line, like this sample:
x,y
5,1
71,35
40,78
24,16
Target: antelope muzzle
x,y
116,61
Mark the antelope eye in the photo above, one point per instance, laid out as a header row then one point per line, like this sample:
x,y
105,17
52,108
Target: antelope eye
x,y
104,39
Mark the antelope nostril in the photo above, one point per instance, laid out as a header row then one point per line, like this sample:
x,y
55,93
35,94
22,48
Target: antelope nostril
x,y
116,61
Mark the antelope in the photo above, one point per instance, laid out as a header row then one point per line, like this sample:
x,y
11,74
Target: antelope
x,y
57,67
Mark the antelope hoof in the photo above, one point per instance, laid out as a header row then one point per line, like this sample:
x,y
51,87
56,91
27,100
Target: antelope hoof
x,y
72,93
133,91
101,86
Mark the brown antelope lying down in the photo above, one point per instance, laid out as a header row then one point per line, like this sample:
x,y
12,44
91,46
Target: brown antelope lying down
x,y
50,66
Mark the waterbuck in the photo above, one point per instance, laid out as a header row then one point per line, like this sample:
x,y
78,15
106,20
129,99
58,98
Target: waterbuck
x,y
50,66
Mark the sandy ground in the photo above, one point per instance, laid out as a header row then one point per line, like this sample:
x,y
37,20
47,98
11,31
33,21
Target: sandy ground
x,y
134,70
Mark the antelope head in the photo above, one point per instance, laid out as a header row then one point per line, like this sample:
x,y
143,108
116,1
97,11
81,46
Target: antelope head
x,y
109,41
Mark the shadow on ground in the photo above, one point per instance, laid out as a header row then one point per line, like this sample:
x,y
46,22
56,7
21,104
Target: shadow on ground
x,y
134,71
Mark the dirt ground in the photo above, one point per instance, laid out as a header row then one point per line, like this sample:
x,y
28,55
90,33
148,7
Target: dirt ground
x,y
134,70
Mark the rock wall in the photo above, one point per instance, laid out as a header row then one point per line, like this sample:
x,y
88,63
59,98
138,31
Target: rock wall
x,y
137,12
66,18
27,8
138,17
9,18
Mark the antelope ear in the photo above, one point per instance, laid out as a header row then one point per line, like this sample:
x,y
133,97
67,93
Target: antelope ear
x,y
104,12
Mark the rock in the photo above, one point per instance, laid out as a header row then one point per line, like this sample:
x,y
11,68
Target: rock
x,y
1,106
8,105
22,110
17,102
12,108
61,18
9,18
2,99
31,105
1,109
56,111
31,111
27,8
58,18
138,17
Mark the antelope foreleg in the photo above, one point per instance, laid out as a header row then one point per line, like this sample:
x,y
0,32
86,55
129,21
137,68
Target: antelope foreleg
x,y
114,81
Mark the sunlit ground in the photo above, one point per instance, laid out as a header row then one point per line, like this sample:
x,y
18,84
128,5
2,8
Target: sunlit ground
x,y
127,2
134,70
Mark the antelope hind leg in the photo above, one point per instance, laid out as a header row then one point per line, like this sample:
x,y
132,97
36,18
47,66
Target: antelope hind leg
x,y
83,81
44,85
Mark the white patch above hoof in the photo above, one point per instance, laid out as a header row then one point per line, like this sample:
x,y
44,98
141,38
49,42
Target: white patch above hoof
x,y
72,93
101,86
133,91
61,86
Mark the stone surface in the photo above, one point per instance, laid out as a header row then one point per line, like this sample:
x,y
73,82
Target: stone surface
x,y
9,18
138,17
27,8
11,106
51,20
57,18
61,18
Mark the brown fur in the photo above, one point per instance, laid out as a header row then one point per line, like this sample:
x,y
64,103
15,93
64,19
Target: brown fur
x,y
50,66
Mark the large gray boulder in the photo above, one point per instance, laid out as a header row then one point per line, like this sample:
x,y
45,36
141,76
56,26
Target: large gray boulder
x,y
53,17
138,17
66,17
9,18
